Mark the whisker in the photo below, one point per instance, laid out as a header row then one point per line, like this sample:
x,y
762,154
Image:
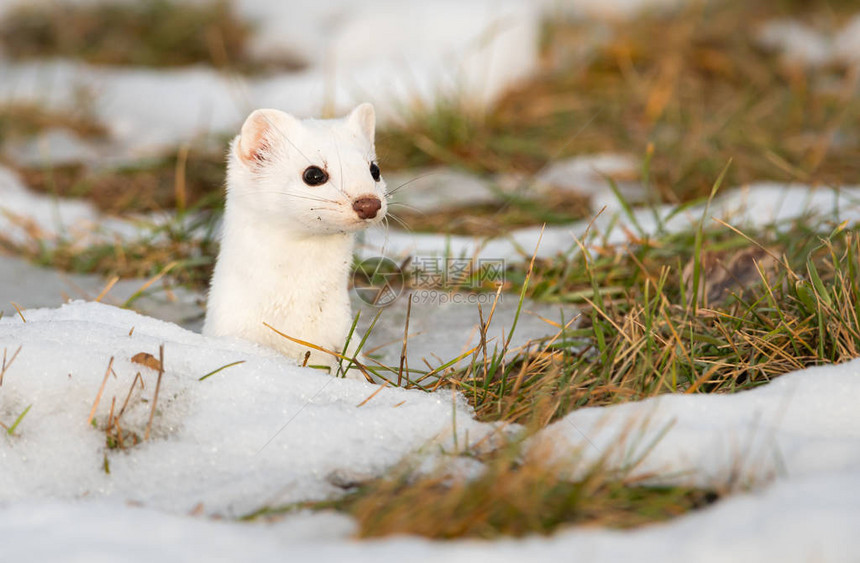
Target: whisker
x,y
385,227
387,233
407,206
284,135
399,221
297,148
404,184
291,194
340,164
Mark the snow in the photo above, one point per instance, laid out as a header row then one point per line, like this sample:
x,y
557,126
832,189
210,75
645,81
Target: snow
x,y
801,44
609,9
22,211
589,175
27,218
441,188
438,188
32,287
458,314
756,205
846,46
267,432
797,42
264,431
809,519
800,425
417,54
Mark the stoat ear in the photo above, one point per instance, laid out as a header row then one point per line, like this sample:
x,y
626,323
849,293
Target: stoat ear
x,y
262,128
363,119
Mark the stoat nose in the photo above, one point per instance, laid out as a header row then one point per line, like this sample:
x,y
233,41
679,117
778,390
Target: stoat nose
x,y
366,207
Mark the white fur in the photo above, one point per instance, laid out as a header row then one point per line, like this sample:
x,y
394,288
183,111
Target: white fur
x,y
286,247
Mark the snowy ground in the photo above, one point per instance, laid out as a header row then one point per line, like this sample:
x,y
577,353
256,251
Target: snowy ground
x,y
416,53
801,44
757,204
265,431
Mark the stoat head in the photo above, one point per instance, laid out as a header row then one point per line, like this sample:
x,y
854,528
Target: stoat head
x,y
312,176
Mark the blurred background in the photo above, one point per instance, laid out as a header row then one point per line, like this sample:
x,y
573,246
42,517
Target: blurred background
x,y
495,115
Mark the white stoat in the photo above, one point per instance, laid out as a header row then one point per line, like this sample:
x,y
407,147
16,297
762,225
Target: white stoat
x,y
297,190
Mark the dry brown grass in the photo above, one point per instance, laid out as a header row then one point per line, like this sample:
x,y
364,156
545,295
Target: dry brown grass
x,y
157,33
24,119
189,178
790,300
517,492
497,219
702,94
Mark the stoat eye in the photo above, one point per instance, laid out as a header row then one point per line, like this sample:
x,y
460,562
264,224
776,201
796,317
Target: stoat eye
x,y
314,176
374,171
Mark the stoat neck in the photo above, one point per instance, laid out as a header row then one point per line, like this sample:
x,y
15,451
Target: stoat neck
x,y
273,276
282,252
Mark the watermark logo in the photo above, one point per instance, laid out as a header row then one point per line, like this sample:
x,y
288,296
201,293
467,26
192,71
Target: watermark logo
x,y
378,281
458,274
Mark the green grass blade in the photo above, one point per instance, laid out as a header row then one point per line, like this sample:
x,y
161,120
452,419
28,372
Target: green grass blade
x,y
18,420
213,372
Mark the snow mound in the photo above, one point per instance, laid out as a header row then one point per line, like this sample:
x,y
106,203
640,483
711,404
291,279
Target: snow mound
x,y
809,515
268,432
805,423
264,431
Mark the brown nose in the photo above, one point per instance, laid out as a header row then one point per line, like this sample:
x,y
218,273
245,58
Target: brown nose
x,y
366,207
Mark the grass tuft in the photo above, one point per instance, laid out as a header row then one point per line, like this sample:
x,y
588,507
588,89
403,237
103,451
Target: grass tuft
x,y
25,119
151,185
497,219
155,33
702,95
185,247
514,493
780,300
